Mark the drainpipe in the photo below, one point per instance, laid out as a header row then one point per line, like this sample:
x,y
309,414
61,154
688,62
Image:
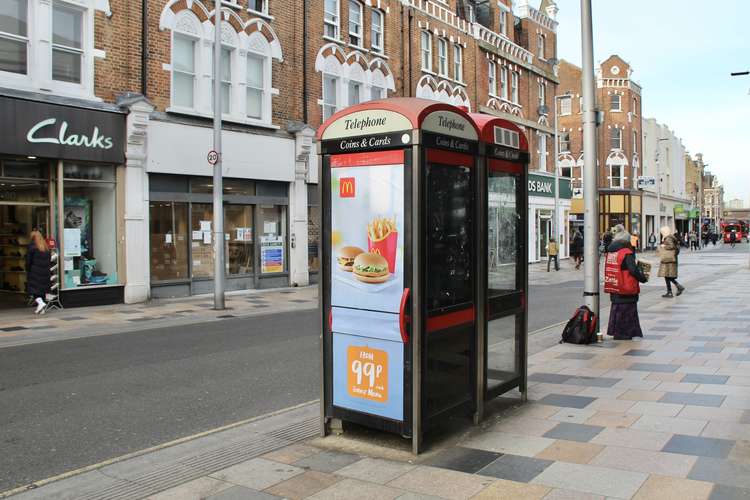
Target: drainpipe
x,y
411,80
144,47
304,61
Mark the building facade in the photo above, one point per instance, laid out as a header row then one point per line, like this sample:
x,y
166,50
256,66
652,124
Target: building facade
x,y
713,202
694,168
619,142
285,68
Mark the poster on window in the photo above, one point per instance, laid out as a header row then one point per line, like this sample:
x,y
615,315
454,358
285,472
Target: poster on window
x,y
367,230
272,254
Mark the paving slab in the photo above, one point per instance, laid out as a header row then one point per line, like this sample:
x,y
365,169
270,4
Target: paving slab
x,y
441,482
463,459
515,468
721,472
574,432
650,462
673,488
327,461
375,470
303,485
346,489
591,479
699,446
511,490
257,474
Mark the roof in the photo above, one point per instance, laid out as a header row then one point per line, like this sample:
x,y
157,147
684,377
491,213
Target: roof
x,y
487,123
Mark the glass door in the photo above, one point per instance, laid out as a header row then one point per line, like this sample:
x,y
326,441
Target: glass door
x,y
505,233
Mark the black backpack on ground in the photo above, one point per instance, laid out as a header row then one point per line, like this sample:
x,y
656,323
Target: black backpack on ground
x,y
581,328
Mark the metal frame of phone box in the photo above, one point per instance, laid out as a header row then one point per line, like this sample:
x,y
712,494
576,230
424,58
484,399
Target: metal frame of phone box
x,y
430,134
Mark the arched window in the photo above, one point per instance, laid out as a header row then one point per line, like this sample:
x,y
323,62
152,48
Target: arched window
x,y
458,63
258,46
186,36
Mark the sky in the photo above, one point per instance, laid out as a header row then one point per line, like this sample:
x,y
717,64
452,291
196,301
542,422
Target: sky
x,y
681,53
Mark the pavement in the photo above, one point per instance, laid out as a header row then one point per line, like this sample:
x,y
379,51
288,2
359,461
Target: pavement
x,y
664,417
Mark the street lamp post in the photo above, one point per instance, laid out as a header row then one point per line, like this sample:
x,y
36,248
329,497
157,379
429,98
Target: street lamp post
x,y
744,73
218,202
658,184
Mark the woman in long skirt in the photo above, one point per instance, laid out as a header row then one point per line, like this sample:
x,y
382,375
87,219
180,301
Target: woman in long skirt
x,y
621,278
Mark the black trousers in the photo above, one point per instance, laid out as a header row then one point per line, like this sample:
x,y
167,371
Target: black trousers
x,y
557,263
669,284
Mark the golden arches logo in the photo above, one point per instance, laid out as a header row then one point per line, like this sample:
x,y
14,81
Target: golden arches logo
x,y
347,187
376,251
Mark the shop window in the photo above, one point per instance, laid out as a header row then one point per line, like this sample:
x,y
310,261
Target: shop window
x,y
442,57
67,43
492,78
14,41
426,41
201,240
205,185
458,63
240,252
504,83
255,86
89,229
615,103
88,172
273,239
23,169
169,237
24,182
183,71
330,91
331,18
355,23
514,87
376,31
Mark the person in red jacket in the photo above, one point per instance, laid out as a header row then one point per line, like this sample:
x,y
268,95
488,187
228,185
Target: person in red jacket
x,y
621,280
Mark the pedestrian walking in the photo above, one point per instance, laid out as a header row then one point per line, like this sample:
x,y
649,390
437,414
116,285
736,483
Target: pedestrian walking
x,y
732,239
652,241
576,248
714,237
668,252
634,240
621,281
693,240
38,270
552,251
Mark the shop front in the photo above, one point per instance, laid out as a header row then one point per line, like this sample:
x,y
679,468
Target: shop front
x,y
258,234
61,174
541,189
620,208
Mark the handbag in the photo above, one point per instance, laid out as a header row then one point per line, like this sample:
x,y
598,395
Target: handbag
x,y
667,256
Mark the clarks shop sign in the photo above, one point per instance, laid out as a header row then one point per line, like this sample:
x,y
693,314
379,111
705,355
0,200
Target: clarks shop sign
x,y
45,130
540,185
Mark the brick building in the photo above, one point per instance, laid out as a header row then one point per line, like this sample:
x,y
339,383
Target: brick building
x,y
286,66
619,141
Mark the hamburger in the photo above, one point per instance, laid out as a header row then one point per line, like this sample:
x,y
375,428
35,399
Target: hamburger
x,y
371,268
346,257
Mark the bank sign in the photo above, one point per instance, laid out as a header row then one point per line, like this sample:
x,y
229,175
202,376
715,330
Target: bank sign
x,y
45,130
540,185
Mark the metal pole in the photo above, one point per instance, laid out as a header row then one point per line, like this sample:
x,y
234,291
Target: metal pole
x,y
555,224
590,177
700,206
658,185
218,187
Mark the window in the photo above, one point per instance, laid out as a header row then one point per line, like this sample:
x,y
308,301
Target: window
x,y
615,176
503,22
255,87
376,31
426,50
542,165
442,57
615,138
504,83
514,87
458,64
492,78
566,171
542,93
330,84
565,106
168,224
355,92
540,39
635,106
183,71
377,93
614,102
67,44
258,6
331,18
635,142
14,39
203,248
273,246
564,142
580,105
239,249
355,23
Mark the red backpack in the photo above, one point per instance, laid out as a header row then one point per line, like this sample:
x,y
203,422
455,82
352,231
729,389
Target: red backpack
x,y
616,279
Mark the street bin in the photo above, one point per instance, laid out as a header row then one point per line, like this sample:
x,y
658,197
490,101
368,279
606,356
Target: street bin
x,y
402,251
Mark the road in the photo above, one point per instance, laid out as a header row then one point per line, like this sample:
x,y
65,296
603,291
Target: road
x,y
68,404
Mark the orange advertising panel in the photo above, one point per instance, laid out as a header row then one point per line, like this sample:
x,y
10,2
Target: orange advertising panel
x,y
368,373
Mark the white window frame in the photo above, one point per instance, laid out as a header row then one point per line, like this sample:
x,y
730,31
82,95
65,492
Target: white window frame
x,y
458,63
566,106
542,91
620,178
442,45
569,171
360,92
26,40
196,48
564,145
514,91
540,45
492,78
504,83
503,22
264,90
377,30
425,50
355,29
618,143
377,92
635,106
333,106
332,20
542,150
264,10
230,109
615,98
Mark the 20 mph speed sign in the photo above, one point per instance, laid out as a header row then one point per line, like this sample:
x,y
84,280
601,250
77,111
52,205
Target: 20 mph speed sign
x,y
213,157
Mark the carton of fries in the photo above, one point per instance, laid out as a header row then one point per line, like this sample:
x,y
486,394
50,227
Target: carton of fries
x,y
382,239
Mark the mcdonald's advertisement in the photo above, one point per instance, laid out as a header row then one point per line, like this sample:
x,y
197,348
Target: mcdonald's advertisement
x,y
367,230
